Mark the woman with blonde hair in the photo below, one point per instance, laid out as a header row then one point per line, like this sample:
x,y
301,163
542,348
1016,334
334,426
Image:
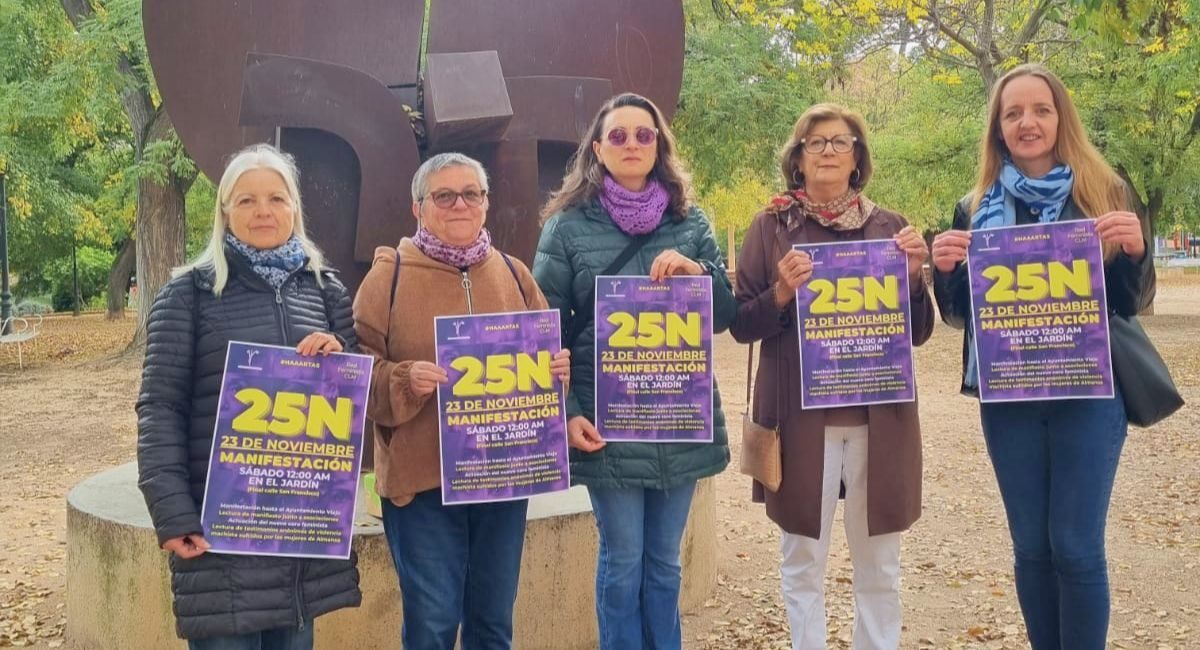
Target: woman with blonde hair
x,y
873,453
1055,461
260,280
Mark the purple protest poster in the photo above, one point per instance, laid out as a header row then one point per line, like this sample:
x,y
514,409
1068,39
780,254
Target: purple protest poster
x,y
503,423
1039,312
854,321
654,374
287,447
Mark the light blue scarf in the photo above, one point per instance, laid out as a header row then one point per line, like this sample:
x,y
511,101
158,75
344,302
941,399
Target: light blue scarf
x,y
1045,197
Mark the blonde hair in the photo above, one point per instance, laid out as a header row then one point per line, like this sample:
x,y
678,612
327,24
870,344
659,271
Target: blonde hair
x,y
255,156
585,173
793,150
1097,189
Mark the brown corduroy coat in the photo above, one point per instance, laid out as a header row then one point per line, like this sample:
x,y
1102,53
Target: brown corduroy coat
x,y
894,438
407,459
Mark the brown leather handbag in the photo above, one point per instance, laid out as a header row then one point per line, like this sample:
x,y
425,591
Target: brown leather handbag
x,y
762,457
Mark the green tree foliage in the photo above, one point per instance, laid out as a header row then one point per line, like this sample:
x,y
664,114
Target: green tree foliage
x,y
1139,88
63,141
742,91
93,264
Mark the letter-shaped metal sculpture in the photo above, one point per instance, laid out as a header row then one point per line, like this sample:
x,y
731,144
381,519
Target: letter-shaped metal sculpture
x,y
340,84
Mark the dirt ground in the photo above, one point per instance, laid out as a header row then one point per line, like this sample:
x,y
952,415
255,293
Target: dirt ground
x,y
70,414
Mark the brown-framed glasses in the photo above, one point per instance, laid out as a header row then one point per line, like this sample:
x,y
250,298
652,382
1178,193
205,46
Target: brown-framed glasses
x,y
842,143
447,198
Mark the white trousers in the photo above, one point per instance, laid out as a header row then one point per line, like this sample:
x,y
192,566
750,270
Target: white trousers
x,y
876,560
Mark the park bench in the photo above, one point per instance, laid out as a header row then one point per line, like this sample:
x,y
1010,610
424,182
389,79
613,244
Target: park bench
x,y
17,330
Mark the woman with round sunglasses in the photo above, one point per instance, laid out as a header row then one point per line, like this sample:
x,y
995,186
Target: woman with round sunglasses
x,y
458,565
873,453
625,181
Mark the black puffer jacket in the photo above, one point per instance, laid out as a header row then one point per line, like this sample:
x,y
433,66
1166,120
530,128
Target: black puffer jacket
x,y
188,332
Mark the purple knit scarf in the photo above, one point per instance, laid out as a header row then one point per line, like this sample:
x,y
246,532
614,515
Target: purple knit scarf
x,y
457,256
635,213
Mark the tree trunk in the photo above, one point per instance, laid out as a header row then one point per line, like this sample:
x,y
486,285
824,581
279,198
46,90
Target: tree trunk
x,y
118,279
161,244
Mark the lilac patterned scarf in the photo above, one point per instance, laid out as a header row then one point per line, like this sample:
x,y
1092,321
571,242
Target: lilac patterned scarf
x,y
635,213
457,256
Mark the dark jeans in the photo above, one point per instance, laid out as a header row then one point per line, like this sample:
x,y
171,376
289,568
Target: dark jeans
x,y
281,638
1055,462
457,564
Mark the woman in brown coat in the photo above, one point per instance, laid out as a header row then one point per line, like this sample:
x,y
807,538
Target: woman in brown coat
x,y
873,453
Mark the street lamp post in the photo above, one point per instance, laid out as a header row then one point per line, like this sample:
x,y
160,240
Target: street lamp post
x,y
5,294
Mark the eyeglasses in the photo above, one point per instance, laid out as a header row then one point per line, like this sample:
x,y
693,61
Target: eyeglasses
x,y
644,135
842,143
447,198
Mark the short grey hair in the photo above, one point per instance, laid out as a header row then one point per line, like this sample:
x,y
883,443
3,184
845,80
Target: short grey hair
x,y
420,181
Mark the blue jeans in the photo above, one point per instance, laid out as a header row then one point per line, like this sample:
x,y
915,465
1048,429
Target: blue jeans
x,y
457,564
638,573
1055,462
280,638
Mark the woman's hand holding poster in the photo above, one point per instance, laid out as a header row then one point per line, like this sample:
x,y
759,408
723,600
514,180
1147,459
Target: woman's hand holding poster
x,y
283,474
503,427
855,325
654,374
1039,313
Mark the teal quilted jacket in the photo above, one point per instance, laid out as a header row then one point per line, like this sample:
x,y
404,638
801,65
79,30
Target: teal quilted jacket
x,y
575,247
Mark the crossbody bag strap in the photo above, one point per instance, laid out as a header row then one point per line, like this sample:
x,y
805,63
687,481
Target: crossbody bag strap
x,y
387,332
512,269
584,315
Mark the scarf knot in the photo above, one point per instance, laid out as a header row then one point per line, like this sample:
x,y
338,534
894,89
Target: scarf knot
x,y
274,265
459,257
635,213
846,212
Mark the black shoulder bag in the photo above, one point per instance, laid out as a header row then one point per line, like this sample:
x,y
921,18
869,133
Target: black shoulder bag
x,y
1146,386
587,311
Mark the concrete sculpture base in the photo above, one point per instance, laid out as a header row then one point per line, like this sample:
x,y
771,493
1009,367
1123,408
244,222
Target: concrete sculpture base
x,y
119,595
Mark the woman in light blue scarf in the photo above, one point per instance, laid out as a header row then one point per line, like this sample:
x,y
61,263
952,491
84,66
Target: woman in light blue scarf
x,y
1054,460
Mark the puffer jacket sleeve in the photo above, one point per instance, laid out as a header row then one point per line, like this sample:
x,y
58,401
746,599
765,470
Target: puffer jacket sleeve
x,y
392,401
709,254
163,408
554,275
1131,286
952,290
341,312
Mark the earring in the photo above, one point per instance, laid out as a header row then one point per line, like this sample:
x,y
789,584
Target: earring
x,y
797,179
855,175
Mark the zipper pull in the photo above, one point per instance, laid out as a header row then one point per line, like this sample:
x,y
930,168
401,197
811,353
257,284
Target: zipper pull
x,y
466,285
278,297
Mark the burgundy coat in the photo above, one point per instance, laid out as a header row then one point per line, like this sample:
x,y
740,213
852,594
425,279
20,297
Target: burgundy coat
x,y
894,438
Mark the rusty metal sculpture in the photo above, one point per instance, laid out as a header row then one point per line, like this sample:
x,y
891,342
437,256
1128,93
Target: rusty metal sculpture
x,y
347,86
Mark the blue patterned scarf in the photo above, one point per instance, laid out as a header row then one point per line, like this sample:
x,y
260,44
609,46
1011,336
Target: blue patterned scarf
x,y
1045,197
273,264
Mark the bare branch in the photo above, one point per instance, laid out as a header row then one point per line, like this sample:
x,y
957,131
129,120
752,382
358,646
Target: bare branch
x,y
1032,24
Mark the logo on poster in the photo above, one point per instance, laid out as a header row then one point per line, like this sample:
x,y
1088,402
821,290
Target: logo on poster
x,y
458,335
987,241
250,354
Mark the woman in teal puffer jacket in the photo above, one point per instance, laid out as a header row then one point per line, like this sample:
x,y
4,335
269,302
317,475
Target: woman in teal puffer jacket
x,y
625,181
